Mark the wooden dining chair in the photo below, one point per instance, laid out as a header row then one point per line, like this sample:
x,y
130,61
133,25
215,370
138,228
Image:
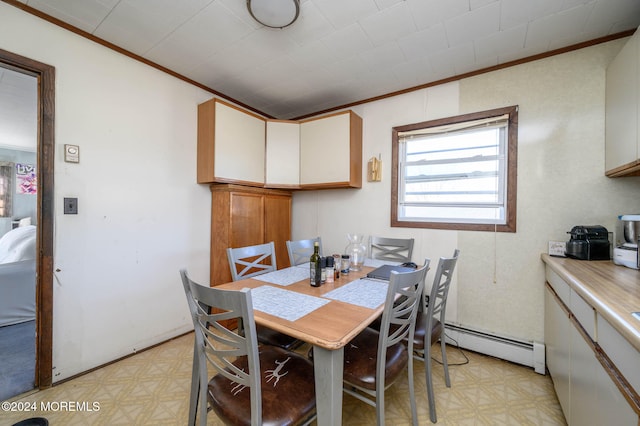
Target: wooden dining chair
x,y
252,384
374,360
392,249
430,325
300,250
251,261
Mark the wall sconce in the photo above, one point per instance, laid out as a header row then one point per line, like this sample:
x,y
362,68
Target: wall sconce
x,y
374,169
274,13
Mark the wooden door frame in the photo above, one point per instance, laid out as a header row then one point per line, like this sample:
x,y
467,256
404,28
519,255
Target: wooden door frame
x,y
45,74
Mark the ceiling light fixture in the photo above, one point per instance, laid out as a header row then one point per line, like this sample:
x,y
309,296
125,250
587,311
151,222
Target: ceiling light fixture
x,y
274,13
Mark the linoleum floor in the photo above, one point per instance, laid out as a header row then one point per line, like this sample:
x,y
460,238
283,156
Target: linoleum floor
x,y
152,388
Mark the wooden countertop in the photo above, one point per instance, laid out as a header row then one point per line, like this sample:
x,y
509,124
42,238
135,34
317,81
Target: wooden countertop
x,y
612,290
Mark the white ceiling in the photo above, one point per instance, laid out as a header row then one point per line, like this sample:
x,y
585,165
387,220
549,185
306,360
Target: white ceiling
x,y
338,51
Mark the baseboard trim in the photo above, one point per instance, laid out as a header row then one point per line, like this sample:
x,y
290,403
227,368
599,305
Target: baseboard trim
x,y
530,354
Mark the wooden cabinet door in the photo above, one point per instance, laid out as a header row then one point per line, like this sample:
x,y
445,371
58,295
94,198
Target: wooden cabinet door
x,y
278,219
245,216
237,220
247,219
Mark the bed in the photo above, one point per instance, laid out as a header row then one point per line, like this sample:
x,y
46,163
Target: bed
x,y
18,275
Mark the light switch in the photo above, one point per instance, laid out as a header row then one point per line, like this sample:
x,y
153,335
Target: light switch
x,y
70,206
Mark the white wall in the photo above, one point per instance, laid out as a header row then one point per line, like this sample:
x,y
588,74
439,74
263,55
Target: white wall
x,y
141,214
561,183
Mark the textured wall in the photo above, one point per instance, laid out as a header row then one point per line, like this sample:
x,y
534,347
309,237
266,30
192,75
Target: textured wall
x,y
561,183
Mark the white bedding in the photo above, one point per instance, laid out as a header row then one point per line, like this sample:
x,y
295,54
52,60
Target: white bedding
x,y
18,275
18,244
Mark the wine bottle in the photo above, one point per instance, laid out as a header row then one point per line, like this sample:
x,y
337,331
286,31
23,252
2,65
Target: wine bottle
x,y
314,266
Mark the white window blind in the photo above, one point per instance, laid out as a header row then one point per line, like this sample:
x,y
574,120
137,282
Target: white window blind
x,y
455,172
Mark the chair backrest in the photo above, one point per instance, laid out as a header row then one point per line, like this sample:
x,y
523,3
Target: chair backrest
x,y
219,346
301,250
435,303
392,249
404,296
247,262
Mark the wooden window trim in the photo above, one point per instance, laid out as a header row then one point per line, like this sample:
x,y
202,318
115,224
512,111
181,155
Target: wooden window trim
x,y
512,172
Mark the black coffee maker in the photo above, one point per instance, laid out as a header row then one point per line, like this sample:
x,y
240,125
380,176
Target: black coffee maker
x,y
589,243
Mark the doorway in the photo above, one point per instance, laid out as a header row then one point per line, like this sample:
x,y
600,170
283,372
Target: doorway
x,y
44,159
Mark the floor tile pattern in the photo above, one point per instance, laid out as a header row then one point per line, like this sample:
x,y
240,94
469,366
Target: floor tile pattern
x,y
152,388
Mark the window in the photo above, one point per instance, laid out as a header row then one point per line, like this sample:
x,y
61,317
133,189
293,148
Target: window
x,y
6,189
456,173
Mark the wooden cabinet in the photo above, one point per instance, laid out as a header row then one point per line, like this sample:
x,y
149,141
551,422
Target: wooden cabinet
x,y
622,111
331,151
283,154
231,144
238,147
244,216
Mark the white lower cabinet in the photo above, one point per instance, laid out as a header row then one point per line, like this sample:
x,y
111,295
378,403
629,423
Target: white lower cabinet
x,y
583,378
557,344
613,407
586,392
625,358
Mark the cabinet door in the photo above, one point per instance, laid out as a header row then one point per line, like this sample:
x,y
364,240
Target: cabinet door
x,y
621,107
277,216
247,219
558,350
613,407
331,151
237,220
231,144
585,406
283,154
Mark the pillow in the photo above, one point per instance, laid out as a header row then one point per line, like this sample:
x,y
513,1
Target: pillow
x,y
18,244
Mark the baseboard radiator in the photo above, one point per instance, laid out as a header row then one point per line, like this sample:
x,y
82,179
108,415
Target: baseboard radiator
x,y
531,354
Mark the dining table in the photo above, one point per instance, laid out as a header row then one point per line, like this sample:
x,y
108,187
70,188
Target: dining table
x,y
327,317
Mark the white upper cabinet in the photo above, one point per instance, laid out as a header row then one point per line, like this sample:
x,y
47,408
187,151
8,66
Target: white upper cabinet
x,y
283,154
622,111
231,144
237,146
331,151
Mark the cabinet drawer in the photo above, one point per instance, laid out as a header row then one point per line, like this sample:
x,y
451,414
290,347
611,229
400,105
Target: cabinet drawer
x,y
561,288
624,356
584,313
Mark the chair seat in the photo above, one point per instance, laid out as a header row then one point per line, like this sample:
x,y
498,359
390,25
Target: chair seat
x,y
288,390
360,357
421,331
33,421
268,336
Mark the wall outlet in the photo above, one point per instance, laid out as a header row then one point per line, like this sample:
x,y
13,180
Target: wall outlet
x,y
70,206
557,248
